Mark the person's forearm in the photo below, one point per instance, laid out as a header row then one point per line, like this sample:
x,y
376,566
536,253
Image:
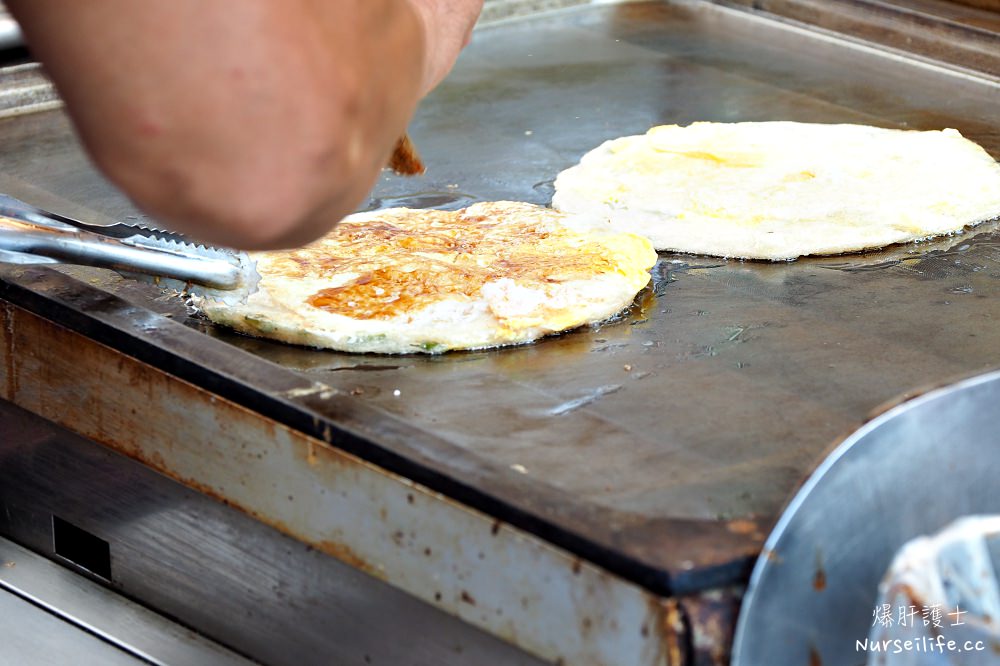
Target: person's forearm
x,y
250,123
448,23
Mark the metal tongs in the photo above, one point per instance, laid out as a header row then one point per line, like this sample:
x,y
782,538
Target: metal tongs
x,y
30,235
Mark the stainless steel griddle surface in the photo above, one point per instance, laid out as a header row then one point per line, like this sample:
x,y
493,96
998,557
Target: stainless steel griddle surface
x,y
692,418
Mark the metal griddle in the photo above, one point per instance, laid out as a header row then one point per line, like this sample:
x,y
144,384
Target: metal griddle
x,y
661,446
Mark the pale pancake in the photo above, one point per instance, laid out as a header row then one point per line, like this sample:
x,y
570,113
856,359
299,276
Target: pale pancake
x,y
401,280
779,190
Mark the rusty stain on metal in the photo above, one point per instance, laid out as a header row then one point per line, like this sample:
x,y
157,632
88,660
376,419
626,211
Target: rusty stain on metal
x,y
344,553
742,526
814,658
467,598
674,631
819,578
712,620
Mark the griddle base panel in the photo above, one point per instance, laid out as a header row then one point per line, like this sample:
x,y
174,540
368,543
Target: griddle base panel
x,y
215,569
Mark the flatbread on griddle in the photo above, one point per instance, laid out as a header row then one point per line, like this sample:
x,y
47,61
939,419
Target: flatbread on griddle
x,y
779,190
401,280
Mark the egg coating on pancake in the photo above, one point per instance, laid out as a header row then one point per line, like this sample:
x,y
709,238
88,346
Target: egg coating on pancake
x,y
779,190
402,280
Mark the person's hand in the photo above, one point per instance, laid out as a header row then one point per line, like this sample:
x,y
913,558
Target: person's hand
x,y
448,28
249,123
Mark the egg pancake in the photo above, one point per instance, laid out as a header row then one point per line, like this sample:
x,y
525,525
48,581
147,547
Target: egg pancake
x,y
779,190
399,280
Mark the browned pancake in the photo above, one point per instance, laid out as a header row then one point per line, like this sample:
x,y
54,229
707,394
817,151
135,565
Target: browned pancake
x,y
403,280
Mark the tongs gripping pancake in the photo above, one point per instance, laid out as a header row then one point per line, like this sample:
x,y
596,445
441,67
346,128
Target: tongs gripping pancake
x,y
29,235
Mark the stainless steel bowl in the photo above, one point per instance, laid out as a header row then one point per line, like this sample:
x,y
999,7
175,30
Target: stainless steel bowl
x,y
906,473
